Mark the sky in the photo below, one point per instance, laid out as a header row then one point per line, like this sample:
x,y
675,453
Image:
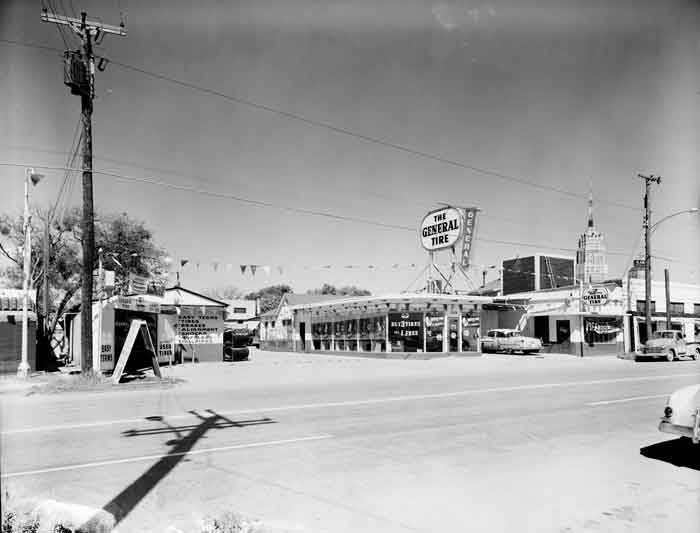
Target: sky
x,y
373,110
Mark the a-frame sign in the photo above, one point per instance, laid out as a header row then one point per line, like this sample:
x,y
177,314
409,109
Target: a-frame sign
x,y
136,327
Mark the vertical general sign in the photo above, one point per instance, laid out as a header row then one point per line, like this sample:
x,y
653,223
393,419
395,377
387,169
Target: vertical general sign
x,y
468,234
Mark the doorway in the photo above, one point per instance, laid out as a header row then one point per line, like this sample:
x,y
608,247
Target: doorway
x,y
452,333
302,335
563,331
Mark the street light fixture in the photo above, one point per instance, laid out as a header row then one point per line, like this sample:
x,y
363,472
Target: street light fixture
x,y
691,210
649,228
34,178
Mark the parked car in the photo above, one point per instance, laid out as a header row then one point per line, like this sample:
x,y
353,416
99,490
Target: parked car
x,y
509,340
682,413
669,344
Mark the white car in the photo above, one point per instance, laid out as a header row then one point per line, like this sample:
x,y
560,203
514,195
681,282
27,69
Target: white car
x,y
682,413
509,340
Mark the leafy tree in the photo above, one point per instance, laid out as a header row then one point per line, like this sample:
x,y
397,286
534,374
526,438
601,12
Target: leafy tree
x,y
127,245
269,296
348,290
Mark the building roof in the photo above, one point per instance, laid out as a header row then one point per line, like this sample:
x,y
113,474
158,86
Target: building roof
x,y
303,299
181,296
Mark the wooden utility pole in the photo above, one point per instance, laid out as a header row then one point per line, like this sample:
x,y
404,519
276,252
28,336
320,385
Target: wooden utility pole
x,y
647,247
668,299
80,76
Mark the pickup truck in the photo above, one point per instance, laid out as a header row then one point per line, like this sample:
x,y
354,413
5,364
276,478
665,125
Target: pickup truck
x,y
509,340
669,344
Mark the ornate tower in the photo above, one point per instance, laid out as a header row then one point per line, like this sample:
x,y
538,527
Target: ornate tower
x,y
591,260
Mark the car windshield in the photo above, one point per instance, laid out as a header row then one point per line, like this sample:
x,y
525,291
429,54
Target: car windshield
x,y
664,334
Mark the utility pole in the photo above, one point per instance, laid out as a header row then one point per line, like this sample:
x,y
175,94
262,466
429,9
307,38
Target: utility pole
x,y
79,75
46,343
668,299
647,247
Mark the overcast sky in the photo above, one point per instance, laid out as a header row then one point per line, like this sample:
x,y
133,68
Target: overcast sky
x,y
558,93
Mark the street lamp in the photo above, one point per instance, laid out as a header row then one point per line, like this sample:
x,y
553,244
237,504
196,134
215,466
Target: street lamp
x,y
649,228
34,178
691,210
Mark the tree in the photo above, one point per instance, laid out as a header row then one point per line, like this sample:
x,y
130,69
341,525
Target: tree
x,y
127,245
269,296
348,290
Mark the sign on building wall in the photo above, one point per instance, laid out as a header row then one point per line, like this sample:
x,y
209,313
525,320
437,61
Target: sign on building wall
x,y
199,328
595,296
468,234
136,304
441,229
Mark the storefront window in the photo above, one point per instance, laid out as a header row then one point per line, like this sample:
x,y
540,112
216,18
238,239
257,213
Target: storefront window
x,y
601,330
406,332
434,331
470,331
351,335
339,333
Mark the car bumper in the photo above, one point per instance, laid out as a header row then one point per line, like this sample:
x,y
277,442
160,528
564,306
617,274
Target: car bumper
x,y
684,431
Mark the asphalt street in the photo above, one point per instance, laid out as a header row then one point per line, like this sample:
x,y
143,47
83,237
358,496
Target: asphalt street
x,y
334,444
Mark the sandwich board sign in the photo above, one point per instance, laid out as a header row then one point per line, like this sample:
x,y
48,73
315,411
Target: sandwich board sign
x,y
137,326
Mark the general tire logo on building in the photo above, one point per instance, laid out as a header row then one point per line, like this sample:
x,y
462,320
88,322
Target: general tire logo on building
x,y
595,296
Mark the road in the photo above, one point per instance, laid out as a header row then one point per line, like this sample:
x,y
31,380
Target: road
x,y
333,444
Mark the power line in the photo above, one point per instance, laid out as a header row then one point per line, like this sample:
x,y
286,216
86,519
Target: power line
x,y
425,204
350,133
260,203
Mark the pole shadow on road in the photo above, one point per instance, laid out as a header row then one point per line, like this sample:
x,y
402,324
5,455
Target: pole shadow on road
x,y
185,438
678,452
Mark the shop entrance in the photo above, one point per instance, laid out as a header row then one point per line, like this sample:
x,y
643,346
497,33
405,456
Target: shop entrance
x,y
140,357
302,335
563,331
453,333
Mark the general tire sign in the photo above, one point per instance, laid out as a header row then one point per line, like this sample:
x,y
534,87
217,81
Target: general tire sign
x,y
441,229
595,296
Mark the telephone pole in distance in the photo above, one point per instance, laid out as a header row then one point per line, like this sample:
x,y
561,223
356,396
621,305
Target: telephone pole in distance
x,y
647,247
79,75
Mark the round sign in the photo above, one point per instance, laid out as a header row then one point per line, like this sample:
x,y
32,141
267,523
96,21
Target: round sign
x,y
595,296
441,229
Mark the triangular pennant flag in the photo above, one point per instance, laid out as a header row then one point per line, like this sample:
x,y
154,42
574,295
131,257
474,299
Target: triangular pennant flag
x,y
215,265
266,269
253,268
183,262
197,265
243,269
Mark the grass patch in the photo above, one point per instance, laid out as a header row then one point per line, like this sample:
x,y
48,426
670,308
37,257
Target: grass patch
x,y
91,381
231,523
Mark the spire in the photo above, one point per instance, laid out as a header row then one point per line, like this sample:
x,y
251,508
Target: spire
x,y
590,204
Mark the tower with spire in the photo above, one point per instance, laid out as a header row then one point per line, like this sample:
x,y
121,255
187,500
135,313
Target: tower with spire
x,y
591,259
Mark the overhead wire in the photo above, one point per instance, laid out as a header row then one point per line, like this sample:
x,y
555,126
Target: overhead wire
x,y
282,207
69,164
347,132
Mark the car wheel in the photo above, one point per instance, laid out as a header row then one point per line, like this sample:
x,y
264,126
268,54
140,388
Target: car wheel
x,y
670,356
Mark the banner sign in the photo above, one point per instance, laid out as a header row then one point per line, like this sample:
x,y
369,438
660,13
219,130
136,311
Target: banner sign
x,y
138,284
441,229
136,304
468,234
595,296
